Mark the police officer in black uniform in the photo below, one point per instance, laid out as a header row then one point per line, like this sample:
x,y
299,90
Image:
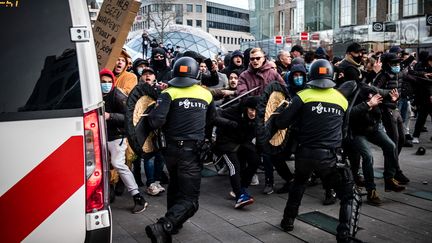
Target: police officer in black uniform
x,y
319,112
182,112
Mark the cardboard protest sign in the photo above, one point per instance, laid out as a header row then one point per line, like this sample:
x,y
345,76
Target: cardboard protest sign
x,y
111,29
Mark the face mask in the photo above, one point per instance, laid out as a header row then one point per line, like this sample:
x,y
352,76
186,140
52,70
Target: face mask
x,y
357,59
395,69
140,70
106,87
298,80
307,67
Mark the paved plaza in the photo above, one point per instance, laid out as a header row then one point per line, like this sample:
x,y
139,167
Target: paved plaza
x,y
403,217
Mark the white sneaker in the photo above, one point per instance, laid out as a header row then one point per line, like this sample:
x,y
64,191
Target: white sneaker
x,y
255,180
161,188
153,189
232,195
415,140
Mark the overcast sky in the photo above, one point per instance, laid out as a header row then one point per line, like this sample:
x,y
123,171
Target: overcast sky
x,y
236,3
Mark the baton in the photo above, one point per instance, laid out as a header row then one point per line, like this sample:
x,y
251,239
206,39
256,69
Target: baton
x,y
238,97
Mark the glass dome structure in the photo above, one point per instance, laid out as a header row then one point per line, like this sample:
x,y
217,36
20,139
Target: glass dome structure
x,y
187,37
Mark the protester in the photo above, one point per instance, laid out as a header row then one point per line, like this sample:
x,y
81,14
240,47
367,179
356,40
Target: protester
x,y
115,108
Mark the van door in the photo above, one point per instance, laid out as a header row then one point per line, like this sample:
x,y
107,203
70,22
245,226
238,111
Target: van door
x,y
53,169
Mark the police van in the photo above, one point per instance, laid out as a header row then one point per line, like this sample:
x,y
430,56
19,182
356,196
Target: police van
x,y
53,156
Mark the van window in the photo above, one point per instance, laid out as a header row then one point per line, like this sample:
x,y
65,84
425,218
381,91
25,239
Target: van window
x,y
38,60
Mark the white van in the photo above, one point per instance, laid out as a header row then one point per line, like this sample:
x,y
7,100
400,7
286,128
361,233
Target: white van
x,y
53,157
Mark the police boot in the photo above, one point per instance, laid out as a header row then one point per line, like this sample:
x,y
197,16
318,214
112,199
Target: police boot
x,y
329,197
348,220
160,232
290,213
287,224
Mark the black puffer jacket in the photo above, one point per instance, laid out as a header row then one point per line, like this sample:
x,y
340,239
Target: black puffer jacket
x,y
115,104
387,80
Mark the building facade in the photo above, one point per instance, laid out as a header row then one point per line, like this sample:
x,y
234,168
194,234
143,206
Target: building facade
x,y
228,24
334,24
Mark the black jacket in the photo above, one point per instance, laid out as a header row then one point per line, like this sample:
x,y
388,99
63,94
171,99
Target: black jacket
x,y
235,129
422,86
350,71
115,104
387,80
282,69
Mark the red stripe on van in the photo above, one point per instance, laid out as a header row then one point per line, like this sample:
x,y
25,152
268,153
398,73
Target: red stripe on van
x,y
36,196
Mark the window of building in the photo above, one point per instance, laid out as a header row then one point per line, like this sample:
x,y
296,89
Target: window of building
x,y
189,8
348,12
189,22
179,20
393,10
271,3
282,22
271,24
263,4
372,10
412,7
198,8
223,40
293,19
198,23
178,8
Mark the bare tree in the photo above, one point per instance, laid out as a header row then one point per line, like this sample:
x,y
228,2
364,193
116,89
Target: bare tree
x,y
162,13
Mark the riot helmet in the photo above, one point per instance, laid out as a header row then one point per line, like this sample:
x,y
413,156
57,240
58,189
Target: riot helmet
x,y
185,72
321,74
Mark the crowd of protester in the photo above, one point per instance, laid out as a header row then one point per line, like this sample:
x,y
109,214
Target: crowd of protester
x,y
392,87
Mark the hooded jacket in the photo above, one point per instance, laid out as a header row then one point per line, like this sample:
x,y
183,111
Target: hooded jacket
x,y
293,88
135,65
232,67
162,71
126,81
261,77
115,105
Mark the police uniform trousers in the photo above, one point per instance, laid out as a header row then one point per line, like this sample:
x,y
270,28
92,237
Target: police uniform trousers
x,y
184,168
323,162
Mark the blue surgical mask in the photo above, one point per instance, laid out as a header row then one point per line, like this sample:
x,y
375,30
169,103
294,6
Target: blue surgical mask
x,y
298,80
395,69
140,70
106,87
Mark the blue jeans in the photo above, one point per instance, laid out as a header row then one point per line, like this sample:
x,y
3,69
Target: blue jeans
x,y
403,108
153,167
381,139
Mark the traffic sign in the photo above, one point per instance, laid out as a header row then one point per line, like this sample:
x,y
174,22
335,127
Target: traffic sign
x,y
377,26
288,40
390,26
429,19
315,36
278,39
304,36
